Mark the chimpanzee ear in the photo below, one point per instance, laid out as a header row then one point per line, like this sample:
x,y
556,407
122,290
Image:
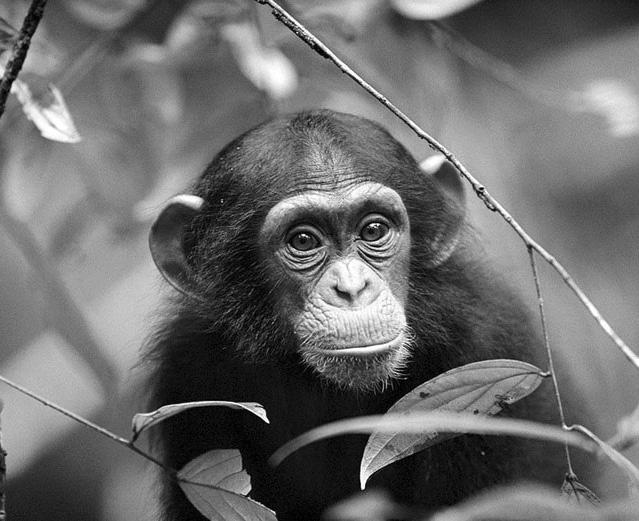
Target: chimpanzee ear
x,y
446,176
166,241
449,181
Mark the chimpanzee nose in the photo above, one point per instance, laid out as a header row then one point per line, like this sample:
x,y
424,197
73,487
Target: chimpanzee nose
x,y
351,283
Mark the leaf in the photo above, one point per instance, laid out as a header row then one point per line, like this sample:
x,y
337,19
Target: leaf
x,y
346,18
50,116
615,456
440,421
106,15
477,388
220,468
266,67
577,493
627,431
143,421
430,9
367,506
216,483
533,503
616,102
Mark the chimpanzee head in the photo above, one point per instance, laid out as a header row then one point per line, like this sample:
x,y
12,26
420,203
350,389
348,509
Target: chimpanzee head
x,y
301,236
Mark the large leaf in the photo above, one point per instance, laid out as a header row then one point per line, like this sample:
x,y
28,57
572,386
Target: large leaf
x,y
477,388
439,421
216,484
143,421
615,456
534,503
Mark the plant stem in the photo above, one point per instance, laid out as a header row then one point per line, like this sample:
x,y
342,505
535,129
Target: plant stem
x,y
551,363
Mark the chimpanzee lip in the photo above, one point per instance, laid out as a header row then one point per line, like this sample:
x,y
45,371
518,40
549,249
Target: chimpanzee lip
x,y
363,351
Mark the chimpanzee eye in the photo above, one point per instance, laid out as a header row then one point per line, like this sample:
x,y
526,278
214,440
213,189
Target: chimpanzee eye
x,y
303,241
374,231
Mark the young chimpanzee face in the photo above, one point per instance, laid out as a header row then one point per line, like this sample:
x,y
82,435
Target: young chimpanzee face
x,y
305,228
340,255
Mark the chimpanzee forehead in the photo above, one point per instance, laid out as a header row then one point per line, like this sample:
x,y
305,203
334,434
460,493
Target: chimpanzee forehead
x,y
328,165
329,179
321,149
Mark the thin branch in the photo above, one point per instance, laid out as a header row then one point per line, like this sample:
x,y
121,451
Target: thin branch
x,y
87,423
60,409
20,48
491,203
129,444
551,364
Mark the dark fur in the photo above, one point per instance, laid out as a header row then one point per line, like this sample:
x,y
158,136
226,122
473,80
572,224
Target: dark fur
x,y
235,346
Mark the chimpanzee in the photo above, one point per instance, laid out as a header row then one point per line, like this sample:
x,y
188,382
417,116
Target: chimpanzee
x,y
323,274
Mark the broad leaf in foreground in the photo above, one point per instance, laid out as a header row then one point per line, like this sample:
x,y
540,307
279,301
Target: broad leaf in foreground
x,y
477,388
534,503
143,421
216,484
440,421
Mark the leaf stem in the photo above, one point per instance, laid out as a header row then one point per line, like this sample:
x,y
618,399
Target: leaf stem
x,y
480,190
551,364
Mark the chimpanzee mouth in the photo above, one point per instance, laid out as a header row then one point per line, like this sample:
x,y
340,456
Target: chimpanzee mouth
x,y
367,351
367,368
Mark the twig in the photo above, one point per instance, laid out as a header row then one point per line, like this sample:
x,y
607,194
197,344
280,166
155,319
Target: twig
x,y
129,444
20,48
491,203
551,364
87,423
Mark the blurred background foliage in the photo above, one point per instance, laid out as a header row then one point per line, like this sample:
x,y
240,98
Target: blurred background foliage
x,y
538,98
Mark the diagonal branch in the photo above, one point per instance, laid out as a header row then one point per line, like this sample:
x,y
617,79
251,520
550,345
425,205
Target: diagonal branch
x,y
318,46
20,48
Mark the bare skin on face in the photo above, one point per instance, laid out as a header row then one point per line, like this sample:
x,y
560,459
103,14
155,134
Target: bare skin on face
x,y
345,249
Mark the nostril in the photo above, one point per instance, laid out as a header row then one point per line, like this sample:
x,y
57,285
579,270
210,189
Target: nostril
x,y
350,288
350,283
